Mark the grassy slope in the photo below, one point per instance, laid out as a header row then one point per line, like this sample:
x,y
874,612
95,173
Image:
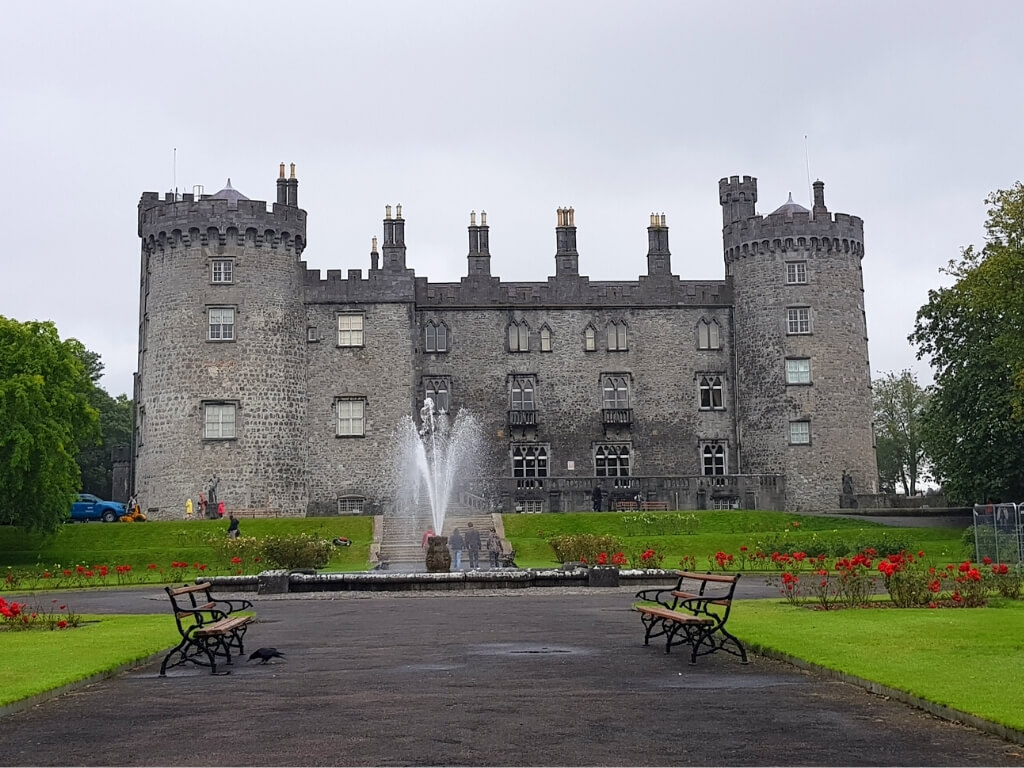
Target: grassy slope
x,y
717,531
139,544
38,661
965,658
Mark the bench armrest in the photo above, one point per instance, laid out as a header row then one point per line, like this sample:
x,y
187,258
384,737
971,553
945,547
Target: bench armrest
x,y
662,596
234,606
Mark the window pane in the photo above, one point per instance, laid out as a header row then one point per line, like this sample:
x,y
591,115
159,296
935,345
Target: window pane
x,y
545,340
713,342
220,421
350,330
798,371
524,338
431,338
702,335
350,417
612,340
588,340
442,338
513,338
222,323
799,432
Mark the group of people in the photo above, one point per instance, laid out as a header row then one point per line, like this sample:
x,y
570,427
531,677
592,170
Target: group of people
x,y
204,506
471,543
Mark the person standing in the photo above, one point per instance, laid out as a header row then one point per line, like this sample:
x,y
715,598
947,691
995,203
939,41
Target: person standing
x,y
188,509
232,526
595,497
493,547
202,505
473,545
427,535
220,509
456,543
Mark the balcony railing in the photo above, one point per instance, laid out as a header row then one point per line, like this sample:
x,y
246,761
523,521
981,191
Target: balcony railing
x,y
522,418
617,416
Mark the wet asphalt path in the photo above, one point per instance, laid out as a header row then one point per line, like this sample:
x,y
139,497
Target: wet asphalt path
x,y
511,677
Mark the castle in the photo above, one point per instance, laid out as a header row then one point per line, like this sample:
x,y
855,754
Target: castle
x,y
752,392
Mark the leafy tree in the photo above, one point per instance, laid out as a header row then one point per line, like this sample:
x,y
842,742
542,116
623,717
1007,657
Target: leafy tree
x,y
973,334
899,403
95,459
45,417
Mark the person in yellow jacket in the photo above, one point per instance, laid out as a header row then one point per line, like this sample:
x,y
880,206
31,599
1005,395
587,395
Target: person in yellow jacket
x,y
188,509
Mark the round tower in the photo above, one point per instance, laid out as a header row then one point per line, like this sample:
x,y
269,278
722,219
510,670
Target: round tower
x,y
802,373
220,387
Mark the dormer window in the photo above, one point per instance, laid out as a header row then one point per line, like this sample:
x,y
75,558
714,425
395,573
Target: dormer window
x,y
708,334
617,336
545,339
518,336
436,337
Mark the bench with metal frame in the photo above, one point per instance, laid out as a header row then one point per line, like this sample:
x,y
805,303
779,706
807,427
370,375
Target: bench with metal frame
x,y
693,612
208,627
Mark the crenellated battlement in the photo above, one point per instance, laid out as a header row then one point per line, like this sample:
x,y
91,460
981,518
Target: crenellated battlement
x,y
799,231
490,291
188,222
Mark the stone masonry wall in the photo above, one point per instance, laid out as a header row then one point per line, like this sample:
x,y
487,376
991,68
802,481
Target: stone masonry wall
x,y
262,371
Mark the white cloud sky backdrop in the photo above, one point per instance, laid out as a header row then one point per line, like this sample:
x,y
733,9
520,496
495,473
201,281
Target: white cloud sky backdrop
x,y
912,113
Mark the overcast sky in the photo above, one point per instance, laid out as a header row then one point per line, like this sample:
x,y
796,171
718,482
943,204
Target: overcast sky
x,y
912,113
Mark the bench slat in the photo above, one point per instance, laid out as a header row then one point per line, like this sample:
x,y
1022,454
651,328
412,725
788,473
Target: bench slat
x,y
716,577
666,613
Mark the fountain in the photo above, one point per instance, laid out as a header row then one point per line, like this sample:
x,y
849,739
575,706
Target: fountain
x,y
434,461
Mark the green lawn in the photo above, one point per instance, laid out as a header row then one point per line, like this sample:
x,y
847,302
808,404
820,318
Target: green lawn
x,y
160,542
38,661
725,531
965,658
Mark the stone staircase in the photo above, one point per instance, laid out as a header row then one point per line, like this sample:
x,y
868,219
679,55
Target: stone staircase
x,y
401,536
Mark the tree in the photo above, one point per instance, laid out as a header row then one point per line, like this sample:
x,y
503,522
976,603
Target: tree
x,y
95,459
899,404
45,417
973,334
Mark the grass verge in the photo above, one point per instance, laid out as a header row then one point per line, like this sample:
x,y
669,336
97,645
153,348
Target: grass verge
x,y
726,531
161,542
960,658
38,661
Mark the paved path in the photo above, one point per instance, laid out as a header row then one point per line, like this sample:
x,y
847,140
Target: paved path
x,y
515,677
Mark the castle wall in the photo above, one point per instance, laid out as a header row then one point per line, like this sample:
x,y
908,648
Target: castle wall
x,y
286,374
837,402
261,371
380,372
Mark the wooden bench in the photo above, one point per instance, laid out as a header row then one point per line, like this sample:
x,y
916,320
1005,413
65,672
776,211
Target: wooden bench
x,y
693,613
625,506
654,506
209,628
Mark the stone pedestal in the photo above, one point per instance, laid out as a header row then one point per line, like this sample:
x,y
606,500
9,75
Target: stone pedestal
x,y
603,576
439,558
273,583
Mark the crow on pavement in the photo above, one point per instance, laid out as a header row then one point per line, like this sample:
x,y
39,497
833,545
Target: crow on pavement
x,y
266,654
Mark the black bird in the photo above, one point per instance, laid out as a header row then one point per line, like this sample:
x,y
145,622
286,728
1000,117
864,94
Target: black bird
x,y
266,654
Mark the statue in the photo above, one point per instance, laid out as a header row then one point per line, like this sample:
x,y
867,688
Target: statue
x,y
847,483
211,500
426,413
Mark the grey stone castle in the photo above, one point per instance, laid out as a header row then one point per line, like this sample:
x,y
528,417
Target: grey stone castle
x,y
286,386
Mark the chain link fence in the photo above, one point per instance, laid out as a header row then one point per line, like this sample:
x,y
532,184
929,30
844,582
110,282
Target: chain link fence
x,y
998,533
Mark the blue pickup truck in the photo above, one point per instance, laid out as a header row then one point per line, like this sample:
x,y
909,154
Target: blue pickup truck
x,y
89,507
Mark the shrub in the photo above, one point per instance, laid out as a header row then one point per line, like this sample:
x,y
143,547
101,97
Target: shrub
x,y
908,579
583,547
296,551
1007,580
855,582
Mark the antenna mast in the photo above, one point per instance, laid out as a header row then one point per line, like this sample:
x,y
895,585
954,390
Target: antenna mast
x,y
174,172
807,161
